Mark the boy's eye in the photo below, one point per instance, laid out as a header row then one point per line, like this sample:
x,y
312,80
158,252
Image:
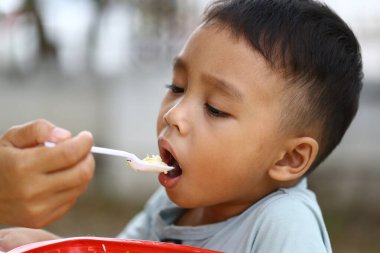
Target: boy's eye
x,y
215,112
174,88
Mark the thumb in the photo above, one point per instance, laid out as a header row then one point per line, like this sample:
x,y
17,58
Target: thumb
x,y
35,133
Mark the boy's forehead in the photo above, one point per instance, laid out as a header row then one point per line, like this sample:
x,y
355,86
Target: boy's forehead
x,y
215,51
214,44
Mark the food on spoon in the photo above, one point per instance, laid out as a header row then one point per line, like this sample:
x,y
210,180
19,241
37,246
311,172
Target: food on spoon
x,y
153,160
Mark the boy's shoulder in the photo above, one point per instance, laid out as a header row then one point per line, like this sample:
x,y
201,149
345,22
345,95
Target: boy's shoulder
x,y
288,220
294,202
289,207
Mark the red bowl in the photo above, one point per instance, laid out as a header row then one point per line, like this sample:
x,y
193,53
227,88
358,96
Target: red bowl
x,y
104,245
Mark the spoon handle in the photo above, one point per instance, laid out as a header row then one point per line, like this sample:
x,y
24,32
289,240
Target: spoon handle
x,y
105,151
115,152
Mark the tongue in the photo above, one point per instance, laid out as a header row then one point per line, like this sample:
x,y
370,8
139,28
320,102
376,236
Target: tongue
x,y
174,172
177,171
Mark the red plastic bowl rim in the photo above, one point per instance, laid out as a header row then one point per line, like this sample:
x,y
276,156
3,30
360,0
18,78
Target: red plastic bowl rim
x,y
28,247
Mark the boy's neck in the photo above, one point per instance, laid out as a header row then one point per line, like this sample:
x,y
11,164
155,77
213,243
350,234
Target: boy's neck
x,y
209,215
203,216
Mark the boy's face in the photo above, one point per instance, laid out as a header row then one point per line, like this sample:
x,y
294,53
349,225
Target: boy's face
x,y
220,121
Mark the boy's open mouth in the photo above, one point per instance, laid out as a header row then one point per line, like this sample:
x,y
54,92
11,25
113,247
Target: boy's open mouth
x,y
169,159
168,156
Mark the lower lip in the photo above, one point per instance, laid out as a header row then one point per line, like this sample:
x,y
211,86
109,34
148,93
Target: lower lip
x,y
168,182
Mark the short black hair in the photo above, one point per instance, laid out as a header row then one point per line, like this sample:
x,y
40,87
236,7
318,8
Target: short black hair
x,y
315,50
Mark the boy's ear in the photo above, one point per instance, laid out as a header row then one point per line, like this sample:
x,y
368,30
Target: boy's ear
x,y
296,159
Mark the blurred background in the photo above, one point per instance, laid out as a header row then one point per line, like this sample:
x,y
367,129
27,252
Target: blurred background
x,y
101,65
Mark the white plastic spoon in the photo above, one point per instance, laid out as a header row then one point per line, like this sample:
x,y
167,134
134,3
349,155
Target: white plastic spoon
x,y
152,165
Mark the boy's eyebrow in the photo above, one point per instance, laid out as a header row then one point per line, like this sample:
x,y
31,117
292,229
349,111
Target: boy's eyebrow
x,y
179,64
225,87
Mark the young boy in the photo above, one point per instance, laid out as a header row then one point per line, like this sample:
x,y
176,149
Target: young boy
x,y
261,94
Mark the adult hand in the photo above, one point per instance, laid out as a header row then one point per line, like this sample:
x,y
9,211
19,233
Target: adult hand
x,y
38,184
11,238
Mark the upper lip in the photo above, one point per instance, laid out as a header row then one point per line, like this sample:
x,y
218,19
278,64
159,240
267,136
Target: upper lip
x,y
166,149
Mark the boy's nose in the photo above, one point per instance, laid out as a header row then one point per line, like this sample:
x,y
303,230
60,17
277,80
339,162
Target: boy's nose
x,y
178,117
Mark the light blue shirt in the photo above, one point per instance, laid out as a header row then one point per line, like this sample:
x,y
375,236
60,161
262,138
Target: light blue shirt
x,y
288,220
